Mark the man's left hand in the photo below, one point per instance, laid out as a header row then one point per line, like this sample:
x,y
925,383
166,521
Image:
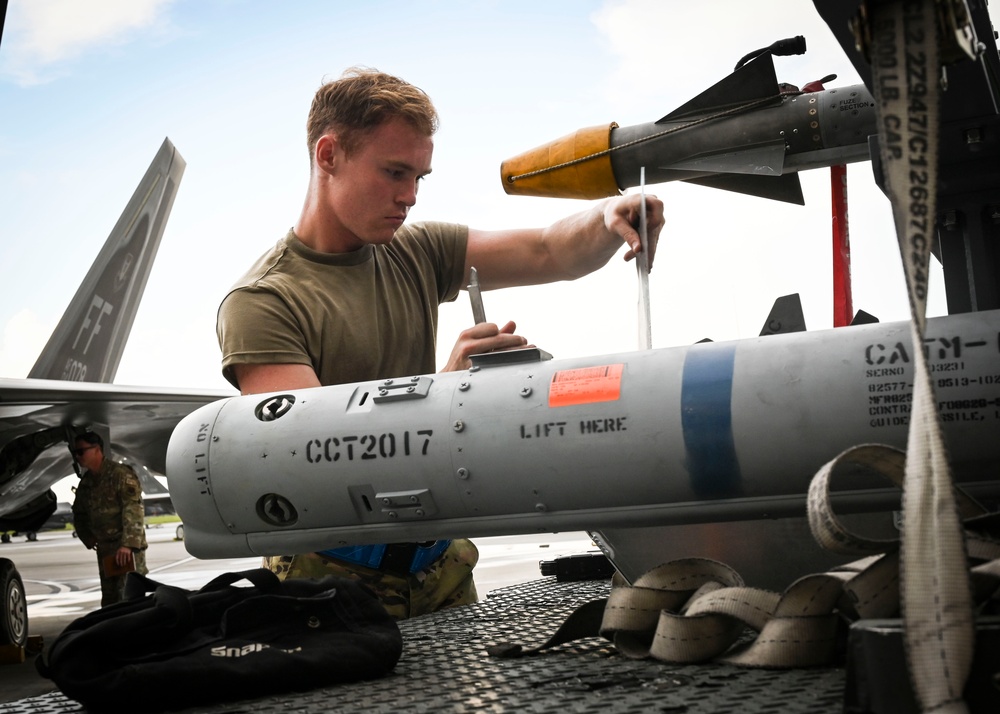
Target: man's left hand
x,y
123,556
484,337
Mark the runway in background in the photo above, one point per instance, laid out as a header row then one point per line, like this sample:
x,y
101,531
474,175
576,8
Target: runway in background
x,y
60,575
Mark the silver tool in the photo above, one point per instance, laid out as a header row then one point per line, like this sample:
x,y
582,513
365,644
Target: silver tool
x,y
478,313
642,269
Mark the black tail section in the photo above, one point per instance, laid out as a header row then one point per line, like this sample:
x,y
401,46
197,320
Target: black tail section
x,y
88,342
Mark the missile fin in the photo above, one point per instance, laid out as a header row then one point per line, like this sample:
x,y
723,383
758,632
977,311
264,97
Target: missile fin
x,y
778,188
864,318
785,316
754,80
761,160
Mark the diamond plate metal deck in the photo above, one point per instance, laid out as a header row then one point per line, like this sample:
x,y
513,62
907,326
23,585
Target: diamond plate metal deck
x,y
445,668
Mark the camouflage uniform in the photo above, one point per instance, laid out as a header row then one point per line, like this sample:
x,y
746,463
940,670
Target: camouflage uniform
x,y
447,582
108,511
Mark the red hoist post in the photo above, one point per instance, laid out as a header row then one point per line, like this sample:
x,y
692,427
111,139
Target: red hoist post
x,y
843,307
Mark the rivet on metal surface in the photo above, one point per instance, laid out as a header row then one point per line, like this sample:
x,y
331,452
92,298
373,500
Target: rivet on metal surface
x,y
458,425
383,392
541,507
463,473
387,382
392,514
462,386
419,512
525,391
313,622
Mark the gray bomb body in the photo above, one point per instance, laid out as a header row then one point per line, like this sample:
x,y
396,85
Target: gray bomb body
x,y
713,431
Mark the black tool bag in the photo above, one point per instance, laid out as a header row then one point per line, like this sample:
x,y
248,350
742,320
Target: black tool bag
x,y
164,647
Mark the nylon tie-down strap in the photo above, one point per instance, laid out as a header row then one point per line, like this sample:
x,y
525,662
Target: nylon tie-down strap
x,y
936,599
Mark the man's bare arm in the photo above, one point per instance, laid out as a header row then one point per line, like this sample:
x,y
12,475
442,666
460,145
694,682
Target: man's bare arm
x,y
258,378
568,249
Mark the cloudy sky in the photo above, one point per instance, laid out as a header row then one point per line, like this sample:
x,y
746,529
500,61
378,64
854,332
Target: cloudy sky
x,y
90,90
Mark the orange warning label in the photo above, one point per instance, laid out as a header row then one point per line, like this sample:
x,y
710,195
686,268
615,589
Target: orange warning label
x,y
586,386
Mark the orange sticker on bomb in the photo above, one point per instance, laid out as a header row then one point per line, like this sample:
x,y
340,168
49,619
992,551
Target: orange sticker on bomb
x,y
588,385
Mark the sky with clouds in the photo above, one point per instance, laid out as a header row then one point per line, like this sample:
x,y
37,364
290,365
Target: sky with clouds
x,y
90,90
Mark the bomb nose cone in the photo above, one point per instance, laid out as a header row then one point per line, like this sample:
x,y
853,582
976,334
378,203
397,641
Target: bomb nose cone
x,y
576,166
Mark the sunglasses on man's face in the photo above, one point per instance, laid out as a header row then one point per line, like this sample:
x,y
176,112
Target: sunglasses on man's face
x,y
82,449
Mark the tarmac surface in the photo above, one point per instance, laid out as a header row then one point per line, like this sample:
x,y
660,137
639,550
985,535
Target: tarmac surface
x,y
61,583
446,666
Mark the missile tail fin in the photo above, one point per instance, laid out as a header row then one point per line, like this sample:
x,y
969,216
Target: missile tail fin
x,y
784,188
864,318
754,80
762,160
786,316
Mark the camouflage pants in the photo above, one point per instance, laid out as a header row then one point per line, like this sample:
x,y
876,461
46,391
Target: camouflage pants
x,y
113,586
446,583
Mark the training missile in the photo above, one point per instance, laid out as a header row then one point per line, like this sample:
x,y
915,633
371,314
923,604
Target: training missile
x,y
744,134
519,444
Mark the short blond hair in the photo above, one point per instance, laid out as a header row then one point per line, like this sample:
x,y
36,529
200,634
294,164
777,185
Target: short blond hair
x,y
363,99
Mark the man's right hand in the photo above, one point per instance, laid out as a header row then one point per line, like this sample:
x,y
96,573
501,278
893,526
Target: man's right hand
x,y
481,338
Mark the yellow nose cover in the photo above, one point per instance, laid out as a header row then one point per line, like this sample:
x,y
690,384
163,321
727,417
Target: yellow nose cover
x,y
576,166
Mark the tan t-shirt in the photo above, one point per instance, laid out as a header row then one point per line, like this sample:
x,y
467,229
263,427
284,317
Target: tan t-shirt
x,y
369,314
